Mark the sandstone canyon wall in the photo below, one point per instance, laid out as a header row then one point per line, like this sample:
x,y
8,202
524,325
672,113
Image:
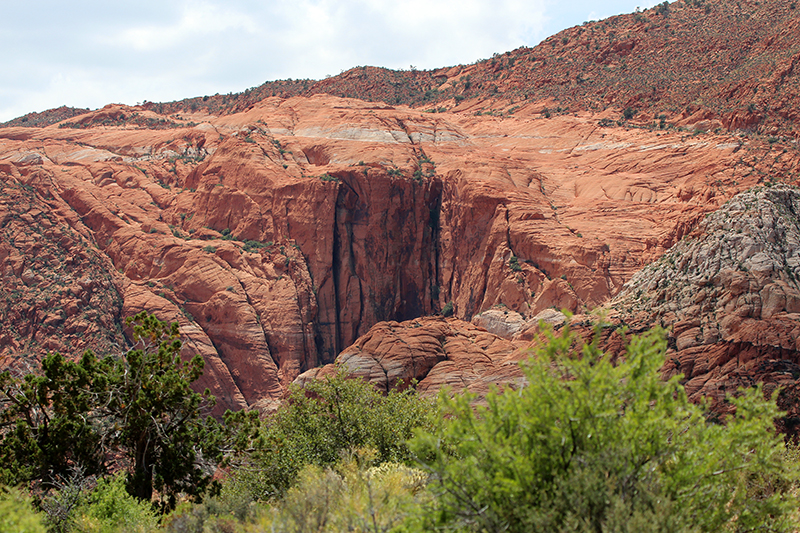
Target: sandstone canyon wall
x,y
276,237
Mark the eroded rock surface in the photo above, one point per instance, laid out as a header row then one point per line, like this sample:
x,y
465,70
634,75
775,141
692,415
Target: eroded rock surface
x,y
730,294
435,352
279,235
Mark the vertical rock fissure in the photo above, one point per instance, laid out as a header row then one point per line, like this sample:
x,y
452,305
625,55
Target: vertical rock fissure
x,y
508,233
434,221
336,267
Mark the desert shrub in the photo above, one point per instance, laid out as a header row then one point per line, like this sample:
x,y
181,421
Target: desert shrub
x,y
448,309
17,514
348,496
110,509
323,420
593,446
61,502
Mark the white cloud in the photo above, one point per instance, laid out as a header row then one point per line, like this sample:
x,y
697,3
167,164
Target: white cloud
x,y
87,53
198,19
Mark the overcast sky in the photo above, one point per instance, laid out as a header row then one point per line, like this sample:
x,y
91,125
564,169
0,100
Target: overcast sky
x,y
88,53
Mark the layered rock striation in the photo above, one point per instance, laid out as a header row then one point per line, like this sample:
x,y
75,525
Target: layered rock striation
x,y
278,226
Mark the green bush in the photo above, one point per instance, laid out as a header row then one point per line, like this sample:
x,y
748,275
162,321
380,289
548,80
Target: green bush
x,y
351,496
110,509
319,423
592,446
447,310
17,514
140,407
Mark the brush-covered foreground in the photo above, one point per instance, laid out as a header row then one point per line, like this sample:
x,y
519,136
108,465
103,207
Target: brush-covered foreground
x,y
588,444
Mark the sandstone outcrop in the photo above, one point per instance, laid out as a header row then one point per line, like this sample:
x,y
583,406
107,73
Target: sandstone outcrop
x,y
280,225
434,352
730,294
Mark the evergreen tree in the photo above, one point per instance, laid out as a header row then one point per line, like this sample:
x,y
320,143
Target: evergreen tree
x,y
86,414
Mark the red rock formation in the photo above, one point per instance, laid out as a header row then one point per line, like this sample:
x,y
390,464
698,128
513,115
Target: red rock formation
x,y
433,351
280,235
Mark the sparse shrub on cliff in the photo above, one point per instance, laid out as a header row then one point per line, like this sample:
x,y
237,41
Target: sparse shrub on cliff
x,y
447,310
250,246
592,446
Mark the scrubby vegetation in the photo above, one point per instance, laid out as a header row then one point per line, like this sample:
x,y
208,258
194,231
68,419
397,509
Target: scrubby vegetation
x,y
589,444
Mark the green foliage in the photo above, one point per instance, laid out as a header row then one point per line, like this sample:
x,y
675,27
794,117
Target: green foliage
x,y
159,415
17,514
327,418
351,496
233,505
447,310
140,407
43,427
210,249
513,264
592,446
251,246
629,113
110,509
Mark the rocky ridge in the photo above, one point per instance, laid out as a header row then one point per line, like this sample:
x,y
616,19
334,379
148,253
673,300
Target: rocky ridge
x,y
699,64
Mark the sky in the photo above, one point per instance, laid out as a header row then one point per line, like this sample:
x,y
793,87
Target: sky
x,y
89,53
